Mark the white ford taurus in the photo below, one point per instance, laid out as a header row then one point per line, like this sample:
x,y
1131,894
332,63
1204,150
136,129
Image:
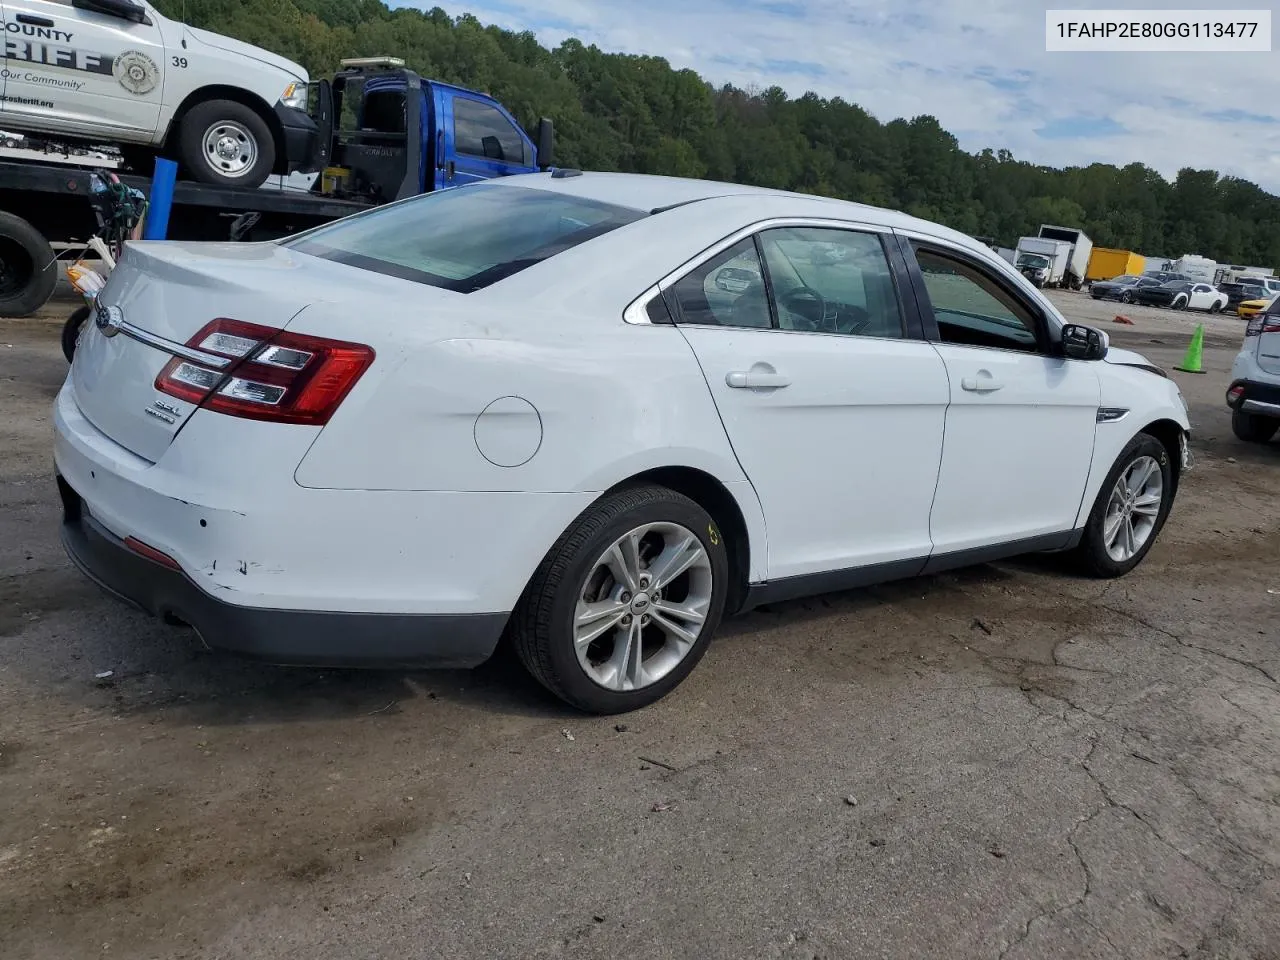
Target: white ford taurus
x,y
594,413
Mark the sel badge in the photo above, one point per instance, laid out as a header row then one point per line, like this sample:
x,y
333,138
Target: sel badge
x,y
136,72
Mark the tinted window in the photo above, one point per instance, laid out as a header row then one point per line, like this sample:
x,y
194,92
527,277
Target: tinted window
x,y
831,281
972,308
727,290
465,238
480,130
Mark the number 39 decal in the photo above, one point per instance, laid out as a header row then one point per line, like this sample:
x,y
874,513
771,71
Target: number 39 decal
x,y
180,62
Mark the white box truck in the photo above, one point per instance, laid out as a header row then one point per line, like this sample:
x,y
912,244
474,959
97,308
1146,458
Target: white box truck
x,y
1043,262
1081,250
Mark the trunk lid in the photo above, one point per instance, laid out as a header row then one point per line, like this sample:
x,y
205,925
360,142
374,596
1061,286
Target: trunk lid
x,y
160,295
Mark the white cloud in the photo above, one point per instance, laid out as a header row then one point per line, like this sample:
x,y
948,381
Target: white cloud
x,y
979,66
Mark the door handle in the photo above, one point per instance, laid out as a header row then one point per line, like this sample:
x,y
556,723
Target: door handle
x,y
34,21
980,385
756,380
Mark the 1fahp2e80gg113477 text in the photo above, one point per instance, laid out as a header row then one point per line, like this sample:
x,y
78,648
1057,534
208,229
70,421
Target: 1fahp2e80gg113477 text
x,y
1134,31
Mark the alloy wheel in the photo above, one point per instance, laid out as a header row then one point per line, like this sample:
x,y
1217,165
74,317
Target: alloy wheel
x,y
642,606
1133,510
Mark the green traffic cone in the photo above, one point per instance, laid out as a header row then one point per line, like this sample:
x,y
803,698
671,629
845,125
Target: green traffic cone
x,y
1193,362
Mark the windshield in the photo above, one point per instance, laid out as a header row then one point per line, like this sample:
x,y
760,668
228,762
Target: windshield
x,y
1179,285
1032,260
466,238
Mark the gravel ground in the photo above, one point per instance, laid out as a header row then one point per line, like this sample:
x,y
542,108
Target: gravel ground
x,y
1005,762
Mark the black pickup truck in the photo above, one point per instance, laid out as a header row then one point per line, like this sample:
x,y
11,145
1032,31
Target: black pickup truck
x,y
1243,290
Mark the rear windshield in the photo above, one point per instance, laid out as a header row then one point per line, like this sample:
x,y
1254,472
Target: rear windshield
x,y
465,238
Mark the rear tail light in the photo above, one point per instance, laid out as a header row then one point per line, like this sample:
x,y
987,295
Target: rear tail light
x,y
1261,323
273,374
1234,395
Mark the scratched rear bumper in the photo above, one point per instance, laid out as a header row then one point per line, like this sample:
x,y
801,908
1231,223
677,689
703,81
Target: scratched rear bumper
x,y
319,638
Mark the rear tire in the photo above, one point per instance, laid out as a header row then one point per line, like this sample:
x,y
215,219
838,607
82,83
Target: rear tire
x,y
547,626
28,269
1097,554
208,128
1180,303
1126,297
71,331
1252,428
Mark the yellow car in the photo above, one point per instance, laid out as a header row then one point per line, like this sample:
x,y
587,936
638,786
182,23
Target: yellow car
x,y
1250,308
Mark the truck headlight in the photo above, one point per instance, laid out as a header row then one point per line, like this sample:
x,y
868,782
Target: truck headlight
x,y
295,95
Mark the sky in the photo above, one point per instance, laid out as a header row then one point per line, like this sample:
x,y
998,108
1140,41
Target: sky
x,y
979,66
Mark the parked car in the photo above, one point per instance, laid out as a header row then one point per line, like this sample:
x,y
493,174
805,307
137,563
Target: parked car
x,y
1118,288
1243,290
1254,394
1180,295
1248,309
527,407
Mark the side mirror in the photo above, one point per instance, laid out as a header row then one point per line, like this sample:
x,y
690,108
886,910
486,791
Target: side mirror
x,y
546,144
1083,343
123,9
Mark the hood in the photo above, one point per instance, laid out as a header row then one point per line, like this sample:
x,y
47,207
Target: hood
x,y
1126,358
220,42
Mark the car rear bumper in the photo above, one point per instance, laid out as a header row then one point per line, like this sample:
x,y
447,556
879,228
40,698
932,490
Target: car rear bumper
x,y
1261,399
319,638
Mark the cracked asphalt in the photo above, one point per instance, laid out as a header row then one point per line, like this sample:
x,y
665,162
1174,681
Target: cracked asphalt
x,y
1004,762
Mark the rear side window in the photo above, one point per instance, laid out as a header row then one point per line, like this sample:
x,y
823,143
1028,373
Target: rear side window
x,y
480,130
466,238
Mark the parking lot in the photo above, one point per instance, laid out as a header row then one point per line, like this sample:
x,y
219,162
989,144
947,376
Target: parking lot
x,y
1005,762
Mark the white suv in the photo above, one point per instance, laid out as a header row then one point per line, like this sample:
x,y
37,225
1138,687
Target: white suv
x,y
118,71
1254,394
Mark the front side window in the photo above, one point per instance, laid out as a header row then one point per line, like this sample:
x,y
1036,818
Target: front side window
x,y
728,290
480,130
466,238
831,281
971,308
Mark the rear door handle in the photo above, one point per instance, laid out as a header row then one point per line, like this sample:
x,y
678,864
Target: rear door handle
x,y
980,385
34,21
756,380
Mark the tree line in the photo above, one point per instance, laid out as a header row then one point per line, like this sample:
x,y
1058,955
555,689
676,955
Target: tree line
x,y
636,113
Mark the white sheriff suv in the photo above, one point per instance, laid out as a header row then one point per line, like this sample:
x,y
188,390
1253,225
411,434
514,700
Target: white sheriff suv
x,y
118,71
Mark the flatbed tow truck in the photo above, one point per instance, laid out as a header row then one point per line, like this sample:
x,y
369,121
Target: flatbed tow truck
x,y
383,133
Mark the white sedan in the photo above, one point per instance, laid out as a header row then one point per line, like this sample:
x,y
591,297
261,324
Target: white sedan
x,y
592,412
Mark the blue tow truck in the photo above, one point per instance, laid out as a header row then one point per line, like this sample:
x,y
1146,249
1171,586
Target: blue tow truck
x,y
382,133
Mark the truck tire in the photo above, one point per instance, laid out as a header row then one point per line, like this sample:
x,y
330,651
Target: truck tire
x,y
28,269
226,144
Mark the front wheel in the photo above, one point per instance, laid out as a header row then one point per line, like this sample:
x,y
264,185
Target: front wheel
x,y
1130,509
624,604
71,331
1126,298
1215,307
1252,428
226,144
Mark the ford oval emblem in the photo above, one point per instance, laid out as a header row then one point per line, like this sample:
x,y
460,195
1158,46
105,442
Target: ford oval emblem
x,y
109,319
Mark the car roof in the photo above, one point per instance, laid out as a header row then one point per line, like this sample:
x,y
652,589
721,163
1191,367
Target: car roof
x,y
652,194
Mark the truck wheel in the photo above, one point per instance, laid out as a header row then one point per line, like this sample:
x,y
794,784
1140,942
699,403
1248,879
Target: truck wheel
x,y
28,269
226,144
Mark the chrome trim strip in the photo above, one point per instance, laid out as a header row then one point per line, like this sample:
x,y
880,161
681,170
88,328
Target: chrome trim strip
x,y
168,346
1260,406
635,312
1111,414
